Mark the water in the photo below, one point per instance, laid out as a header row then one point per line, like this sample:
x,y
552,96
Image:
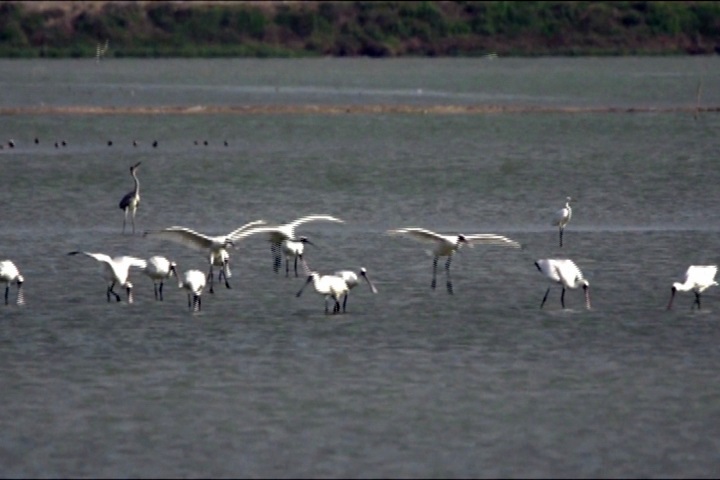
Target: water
x,y
409,382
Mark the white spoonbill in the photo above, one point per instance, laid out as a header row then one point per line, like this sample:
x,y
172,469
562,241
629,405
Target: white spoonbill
x,y
116,271
447,245
215,246
330,286
698,278
562,217
352,280
295,250
194,282
10,274
565,273
278,233
159,269
131,201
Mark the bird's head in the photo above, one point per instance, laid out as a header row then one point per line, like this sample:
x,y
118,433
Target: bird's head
x,y
173,269
134,167
363,271
20,280
305,240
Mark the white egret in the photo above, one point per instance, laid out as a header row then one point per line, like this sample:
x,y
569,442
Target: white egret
x,y
565,273
216,246
194,282
131,201
447,245
698,278
330,286
10,274
116,271
278,233
159,269
352,280
562,217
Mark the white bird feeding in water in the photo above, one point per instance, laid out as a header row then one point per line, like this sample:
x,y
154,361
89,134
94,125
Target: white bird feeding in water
x,y
565,273
159,269
330,286
116,271
216,246
698,278
562,217
447,245
295,250
10,274
131,201
279,233
194,282
352,280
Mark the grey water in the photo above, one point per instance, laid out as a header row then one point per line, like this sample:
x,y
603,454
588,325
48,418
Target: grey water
x,y
410,382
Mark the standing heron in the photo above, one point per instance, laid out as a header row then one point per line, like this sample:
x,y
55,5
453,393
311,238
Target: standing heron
x,y
698,278
10,274
447,245
352,280
116,271
159,269
563,272
131,201
194,282
562,217
279,233
215,246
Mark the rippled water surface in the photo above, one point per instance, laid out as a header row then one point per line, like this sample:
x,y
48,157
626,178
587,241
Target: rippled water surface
x,y
410,382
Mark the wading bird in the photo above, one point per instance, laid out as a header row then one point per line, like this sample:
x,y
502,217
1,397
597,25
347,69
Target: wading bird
x,y
562,217
565,273
194,282
351,280
279,233
215,246
159,269
116,271
131,200
9,274
698,278
447,245
294,249
329,286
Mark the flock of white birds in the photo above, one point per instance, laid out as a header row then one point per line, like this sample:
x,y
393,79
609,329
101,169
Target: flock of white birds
x,y
336,286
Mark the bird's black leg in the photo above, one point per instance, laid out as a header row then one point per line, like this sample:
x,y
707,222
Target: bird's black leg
x,y
447,272
336,308
287,267
7,293
210,278
110,290
562,298
545,297
432,285
277,259
697,300
190,301
345,302
561,235
296,260
156,290
224,275
160,291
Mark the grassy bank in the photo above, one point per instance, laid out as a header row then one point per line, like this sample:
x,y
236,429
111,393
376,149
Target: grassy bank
x,y
376,29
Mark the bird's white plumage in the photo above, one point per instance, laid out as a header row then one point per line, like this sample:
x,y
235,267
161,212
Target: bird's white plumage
x,y
563,216
698,278
565,272
329,286
194,282
352,279
116,270
448,244
9,274
159,269
278,233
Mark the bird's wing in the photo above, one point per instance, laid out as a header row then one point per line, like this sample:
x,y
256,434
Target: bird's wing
x,y
251,231
131,261
184,236
418,234
491,239
100,257
312,218
568,270
233,235
701,275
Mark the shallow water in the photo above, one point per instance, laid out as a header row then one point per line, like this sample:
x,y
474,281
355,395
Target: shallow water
x,y
409,382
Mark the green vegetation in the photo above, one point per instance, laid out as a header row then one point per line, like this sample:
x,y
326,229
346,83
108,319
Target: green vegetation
x,y
376,29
